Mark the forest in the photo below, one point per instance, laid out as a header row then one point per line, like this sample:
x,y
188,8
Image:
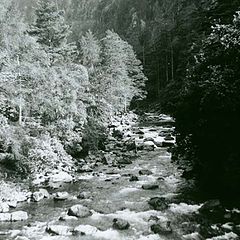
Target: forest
x,y
87,83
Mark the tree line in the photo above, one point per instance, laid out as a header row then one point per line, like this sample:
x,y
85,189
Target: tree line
x,y
55,92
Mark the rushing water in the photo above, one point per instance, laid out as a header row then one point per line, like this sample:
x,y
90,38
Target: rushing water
x,y
112,195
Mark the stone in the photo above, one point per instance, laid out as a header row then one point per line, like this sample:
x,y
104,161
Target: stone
x,y
149,186
5,217
19,216
61,177
124,161
145,172
169,138
149,146
167,144
59,230
158,203
133,178
65,217
84,195
4,207
44,192
130,145
79,211
162,228
120,224
60,196
85,230
37,196
12,204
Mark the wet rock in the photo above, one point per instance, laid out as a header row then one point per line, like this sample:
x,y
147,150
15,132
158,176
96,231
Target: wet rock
x,y
79,211
60,196
117,134
84,195
130,145
4,207
59,230
148,139
149,146
149,186
44,192
85,230
158,203
133,178
163,134
145,172
169,138
85,169
61,177
120,224
19,216
167,144
5,217
158,142
64,217
212,208
37,196
162,228
124,161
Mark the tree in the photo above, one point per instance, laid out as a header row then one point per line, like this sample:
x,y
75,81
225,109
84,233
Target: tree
x,y
90,51
210,108
52,32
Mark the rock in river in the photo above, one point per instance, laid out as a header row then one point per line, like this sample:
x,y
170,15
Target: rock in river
x,y
145,172
19,216
37,196
133,178
79,211
149,186
162,228
158,203
61,177
4,207
60,196
59,230
120,224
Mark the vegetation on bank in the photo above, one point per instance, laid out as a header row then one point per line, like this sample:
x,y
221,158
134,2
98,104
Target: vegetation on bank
x,y
57,97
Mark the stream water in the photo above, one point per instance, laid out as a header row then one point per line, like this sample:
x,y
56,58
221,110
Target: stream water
x,y
112,195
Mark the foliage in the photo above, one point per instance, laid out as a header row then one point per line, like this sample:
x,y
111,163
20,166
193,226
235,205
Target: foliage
x,y
208,116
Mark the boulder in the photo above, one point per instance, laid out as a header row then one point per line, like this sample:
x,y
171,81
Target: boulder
x,y
60,196
124,160
133,178
44,192
65,217
149,146
61,177
5,217
158,203
149,186
59,230
120,224
85,230
79,211
145,172
37,196
169,138
162,228
12,204
19,216
84,195
4,207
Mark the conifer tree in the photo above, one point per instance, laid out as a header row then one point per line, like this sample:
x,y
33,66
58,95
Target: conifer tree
x,y
52,32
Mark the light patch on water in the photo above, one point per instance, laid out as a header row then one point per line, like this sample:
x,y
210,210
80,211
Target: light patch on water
x,y
136,217
191,236
109,234
184,208
85,177
151,237
226,236
128,190
172,180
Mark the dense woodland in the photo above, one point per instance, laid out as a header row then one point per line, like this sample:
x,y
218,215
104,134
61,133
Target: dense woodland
x,y
66,65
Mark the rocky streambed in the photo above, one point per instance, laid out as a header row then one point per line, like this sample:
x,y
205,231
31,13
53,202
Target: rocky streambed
x,y
133,191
